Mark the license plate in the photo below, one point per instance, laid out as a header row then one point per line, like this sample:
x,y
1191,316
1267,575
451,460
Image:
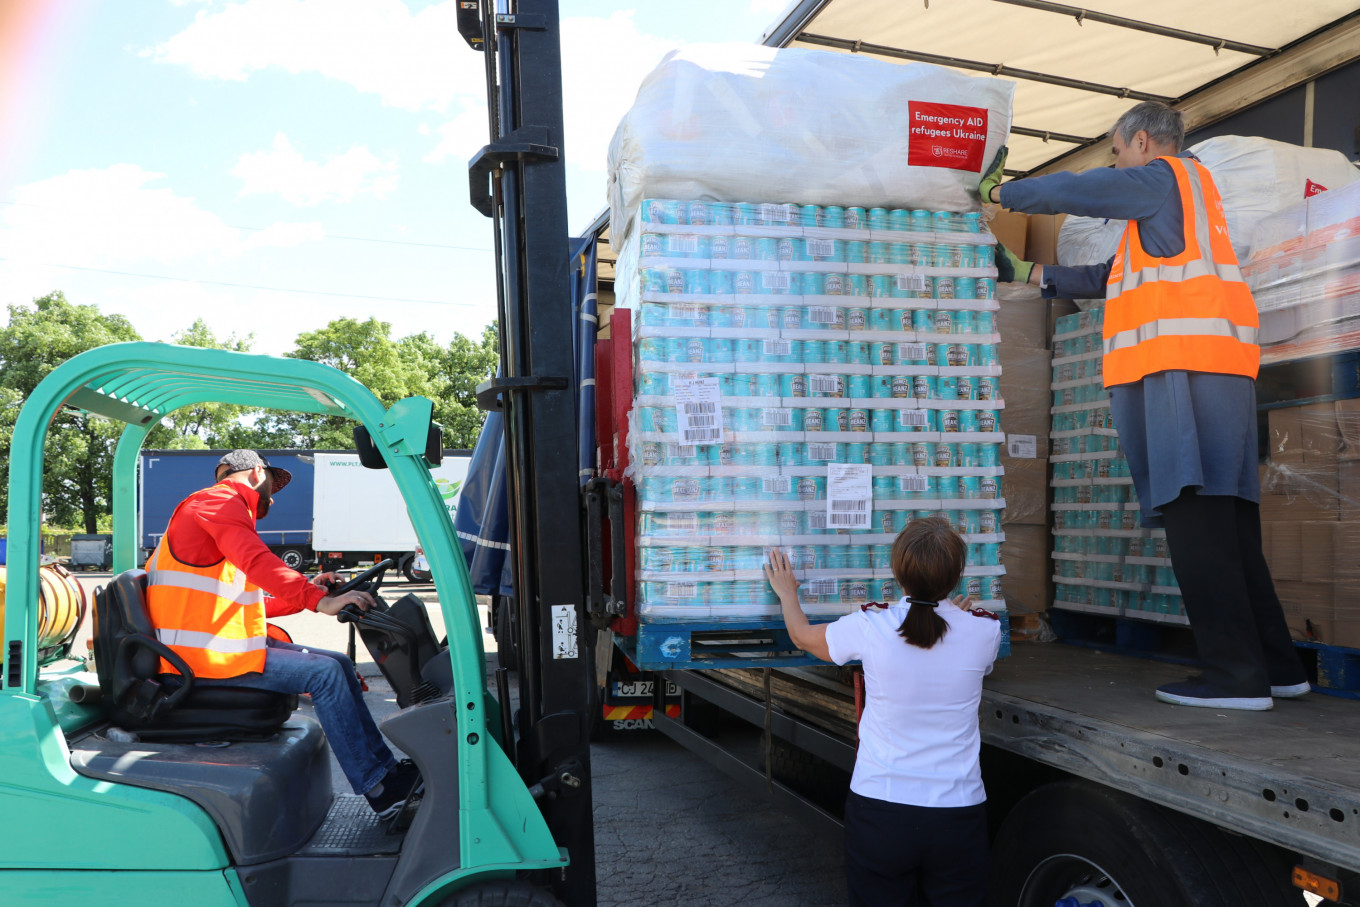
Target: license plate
x,y
638,688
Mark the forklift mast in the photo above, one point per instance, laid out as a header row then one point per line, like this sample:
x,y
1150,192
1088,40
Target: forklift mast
x,y
518,181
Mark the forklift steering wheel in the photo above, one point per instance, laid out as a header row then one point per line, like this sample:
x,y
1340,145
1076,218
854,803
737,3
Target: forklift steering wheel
x,y
377,570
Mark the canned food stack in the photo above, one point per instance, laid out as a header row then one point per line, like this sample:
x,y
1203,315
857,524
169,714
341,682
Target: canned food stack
x,y
808,377
1104,561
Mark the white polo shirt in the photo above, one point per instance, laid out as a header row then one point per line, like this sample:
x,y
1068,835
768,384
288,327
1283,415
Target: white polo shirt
x,y
918,738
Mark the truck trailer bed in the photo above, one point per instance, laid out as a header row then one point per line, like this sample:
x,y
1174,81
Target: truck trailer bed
x,y
1290,775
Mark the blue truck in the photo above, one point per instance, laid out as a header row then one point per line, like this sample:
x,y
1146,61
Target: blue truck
x,y
169,476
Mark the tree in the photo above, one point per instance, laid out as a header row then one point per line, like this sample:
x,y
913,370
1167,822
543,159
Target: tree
x,y
78,467
467,363
365,350
208,425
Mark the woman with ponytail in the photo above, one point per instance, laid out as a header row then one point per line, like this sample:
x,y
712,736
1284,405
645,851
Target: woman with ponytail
x,y
915,818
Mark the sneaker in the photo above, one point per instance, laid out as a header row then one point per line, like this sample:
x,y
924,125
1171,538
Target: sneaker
x,y
389,796
1290,691
1197,693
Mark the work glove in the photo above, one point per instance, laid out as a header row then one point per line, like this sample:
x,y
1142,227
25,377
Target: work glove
x,y
1010,269
993,175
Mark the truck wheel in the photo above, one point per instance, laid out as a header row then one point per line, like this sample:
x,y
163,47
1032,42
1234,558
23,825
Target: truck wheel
x,y
501,894
404,566
505,639
293,558
1074,839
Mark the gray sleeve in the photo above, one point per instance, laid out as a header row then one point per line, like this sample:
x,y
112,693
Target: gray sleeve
x,y
1130,193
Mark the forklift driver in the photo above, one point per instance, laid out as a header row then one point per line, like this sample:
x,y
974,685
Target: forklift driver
x,y
206,588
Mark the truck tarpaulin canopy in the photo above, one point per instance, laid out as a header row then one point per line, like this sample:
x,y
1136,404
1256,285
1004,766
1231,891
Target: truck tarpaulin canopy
x,y
1078,67
483,518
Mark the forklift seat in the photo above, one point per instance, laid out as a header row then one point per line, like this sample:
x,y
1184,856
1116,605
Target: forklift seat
x,y
168,707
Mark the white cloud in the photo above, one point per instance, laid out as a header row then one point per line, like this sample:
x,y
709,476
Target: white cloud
x,y
413,61
603,63
461,137
342,178
770,8
121,218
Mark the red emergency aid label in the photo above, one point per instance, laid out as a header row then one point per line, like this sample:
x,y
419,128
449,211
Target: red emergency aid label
x,y
946,135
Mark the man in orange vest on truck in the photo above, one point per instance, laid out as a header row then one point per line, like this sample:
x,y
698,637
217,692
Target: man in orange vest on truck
x,y
206,592
1180,364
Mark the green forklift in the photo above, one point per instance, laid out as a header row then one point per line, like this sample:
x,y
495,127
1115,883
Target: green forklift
x,y
124,790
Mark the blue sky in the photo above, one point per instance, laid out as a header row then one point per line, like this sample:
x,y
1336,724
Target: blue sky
x,y
269,165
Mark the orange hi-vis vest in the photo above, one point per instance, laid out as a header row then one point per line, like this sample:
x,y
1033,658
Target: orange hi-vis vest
x,y
210,616
1191,312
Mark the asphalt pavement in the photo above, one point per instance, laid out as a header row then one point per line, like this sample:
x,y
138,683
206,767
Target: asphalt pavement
x,y
670,830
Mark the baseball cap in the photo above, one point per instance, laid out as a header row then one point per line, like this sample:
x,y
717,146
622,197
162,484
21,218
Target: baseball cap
x,y
239,460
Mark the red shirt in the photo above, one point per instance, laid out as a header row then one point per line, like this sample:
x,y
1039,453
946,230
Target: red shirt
x,y
219,522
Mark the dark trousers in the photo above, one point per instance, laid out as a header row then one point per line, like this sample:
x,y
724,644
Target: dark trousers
x,y
915,856
1240,630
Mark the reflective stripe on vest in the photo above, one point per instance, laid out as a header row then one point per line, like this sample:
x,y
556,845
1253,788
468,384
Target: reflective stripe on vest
x,y
212,617
1188,312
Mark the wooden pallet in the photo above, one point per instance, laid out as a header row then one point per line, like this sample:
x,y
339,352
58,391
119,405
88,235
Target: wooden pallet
x,y
1332,669
701,645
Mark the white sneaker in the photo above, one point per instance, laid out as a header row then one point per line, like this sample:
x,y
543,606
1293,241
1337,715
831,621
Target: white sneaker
x,y
1292,691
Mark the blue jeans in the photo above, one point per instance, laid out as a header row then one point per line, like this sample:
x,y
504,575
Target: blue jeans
x,y
330,678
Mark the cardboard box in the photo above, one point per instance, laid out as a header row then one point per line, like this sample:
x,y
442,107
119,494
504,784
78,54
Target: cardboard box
x,y
1348,427
1025,486
1010,227
1286,435
1281,547
1028,580
1041,242
1308,610
1348,491
1305,434
1290,493
1317,544
1026,376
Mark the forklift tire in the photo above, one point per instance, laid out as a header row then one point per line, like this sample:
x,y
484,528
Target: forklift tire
x,y
501,894
506,655
1075,839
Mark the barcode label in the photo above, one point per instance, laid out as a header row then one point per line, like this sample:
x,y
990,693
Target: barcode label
x,y
913,483
776,484
848,495
776,214
816,519
778,347
912,282
686,243
774,280
688,451
823,586
913,418
847,505
822,314
687,523
682,591
698,410
1022,446
846,520
778,417
824,384
820,248
821,451
911,352
685,311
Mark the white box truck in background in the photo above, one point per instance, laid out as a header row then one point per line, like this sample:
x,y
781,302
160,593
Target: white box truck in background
x,y
358,516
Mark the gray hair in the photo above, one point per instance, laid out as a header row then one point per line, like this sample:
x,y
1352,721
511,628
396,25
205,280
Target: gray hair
x,y
1162,124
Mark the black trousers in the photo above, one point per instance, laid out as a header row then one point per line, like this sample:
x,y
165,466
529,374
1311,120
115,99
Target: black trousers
x,y
1240,630
915,856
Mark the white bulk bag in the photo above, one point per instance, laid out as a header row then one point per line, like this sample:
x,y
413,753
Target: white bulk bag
x,y
743,122
1258,177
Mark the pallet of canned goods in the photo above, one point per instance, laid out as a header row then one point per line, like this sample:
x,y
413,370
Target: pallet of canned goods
x,y
813,378
1104,561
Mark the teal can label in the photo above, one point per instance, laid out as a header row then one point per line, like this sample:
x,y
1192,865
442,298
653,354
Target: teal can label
x,y
902,386
987,420
858,420
696,214
834,284
883,354
882,421
856,285
949,420
860,386
964,388
856,219
743,248
856,252
720,246
878,219
661,211
812,420
877,253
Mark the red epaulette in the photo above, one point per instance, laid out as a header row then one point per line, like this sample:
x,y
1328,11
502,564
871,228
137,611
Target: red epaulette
x,y
983,612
